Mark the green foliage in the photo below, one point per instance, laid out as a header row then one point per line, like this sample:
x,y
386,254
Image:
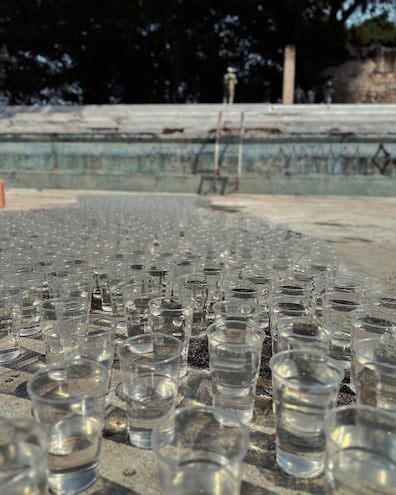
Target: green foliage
x,y
378,30
155,51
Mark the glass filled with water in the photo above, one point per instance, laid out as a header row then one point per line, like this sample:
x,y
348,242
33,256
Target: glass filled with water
x,y
305,386
69,399
200,450
360,451
150,367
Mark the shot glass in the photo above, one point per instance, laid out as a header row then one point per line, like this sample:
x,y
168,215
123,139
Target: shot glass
x,y
69,400
23,457
305,386
10,319
374,372
172,316
200,449
360,451
234,362
150,366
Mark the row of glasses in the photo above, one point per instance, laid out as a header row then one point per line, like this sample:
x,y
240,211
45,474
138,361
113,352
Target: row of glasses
x,y
228,257
353,445
373,363
312,353
311,329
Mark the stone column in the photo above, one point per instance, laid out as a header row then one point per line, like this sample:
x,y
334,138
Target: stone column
x,y
289,69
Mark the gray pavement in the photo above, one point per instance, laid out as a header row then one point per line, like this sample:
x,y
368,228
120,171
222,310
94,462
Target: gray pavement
x,y
363,230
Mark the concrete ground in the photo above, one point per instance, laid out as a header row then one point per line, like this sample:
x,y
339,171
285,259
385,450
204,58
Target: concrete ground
x,y
363,230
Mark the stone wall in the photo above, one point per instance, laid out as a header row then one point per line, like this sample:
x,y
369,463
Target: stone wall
x,y
367,79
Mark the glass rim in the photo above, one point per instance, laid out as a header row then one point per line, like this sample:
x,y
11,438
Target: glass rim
x,y
195,277
122,357
285,322
324,358
155,302
372,360
237,301
346,410
254,326
372,312
48,368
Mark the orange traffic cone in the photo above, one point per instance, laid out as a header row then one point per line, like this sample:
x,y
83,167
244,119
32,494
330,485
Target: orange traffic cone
x,y
2,194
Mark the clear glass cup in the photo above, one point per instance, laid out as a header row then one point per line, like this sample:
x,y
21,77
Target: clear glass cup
x,y
31,283
61,316
69,400
10,319
130,304
234,361
96,342
290,305
237,309
170,315
193,288
337,309
372,320
374,371
23,457
200,449
305,386
303,332
360,451
150,367
262,279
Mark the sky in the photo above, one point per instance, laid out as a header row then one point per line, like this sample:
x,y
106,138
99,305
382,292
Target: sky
x,y
358,17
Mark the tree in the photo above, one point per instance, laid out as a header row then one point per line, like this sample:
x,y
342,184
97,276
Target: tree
x,y
153,51
378,30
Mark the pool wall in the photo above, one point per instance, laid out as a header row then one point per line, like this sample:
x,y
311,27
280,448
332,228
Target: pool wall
x,y
289,156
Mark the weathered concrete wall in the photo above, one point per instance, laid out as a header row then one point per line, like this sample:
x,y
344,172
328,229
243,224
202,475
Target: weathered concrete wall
x,y
369,78
283,150
275,167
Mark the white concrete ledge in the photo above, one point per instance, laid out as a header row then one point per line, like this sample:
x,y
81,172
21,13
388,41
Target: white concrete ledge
x,y
199,120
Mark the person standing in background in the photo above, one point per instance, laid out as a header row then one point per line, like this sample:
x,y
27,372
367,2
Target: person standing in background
x,y
299,95
328,93
229,82
311,95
